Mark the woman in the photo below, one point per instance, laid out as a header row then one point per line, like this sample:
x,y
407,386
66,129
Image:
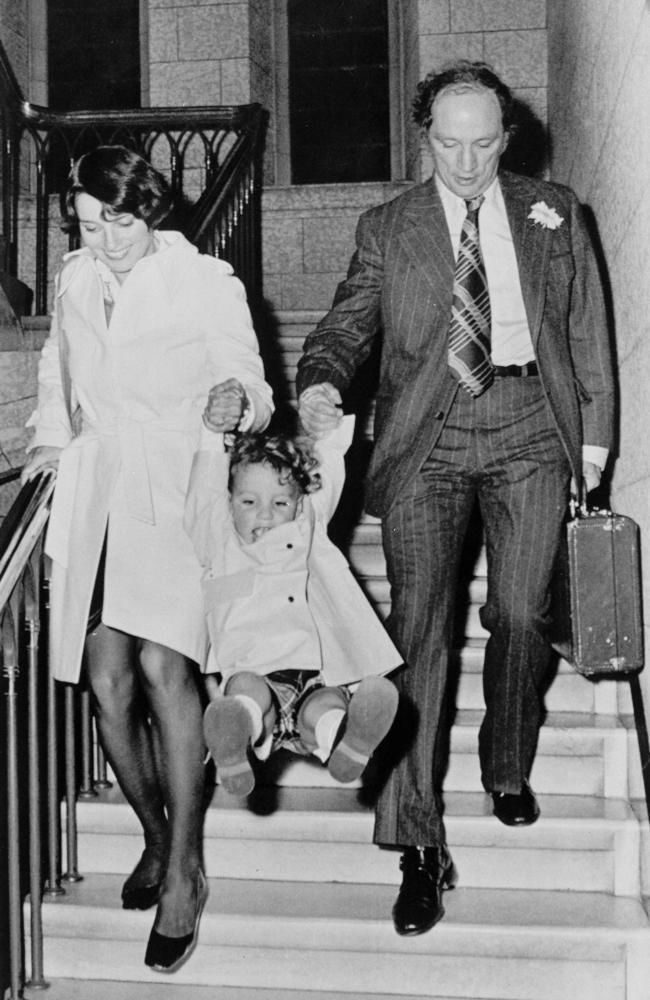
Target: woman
x,y
143,327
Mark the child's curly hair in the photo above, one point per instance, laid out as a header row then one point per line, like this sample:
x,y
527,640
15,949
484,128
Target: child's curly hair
x,y
292,458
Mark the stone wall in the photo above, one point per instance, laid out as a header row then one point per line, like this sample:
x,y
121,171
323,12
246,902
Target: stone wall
x,y
599,110
200,53
14,22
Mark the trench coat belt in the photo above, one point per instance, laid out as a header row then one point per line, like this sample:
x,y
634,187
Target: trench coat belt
x,y
131,437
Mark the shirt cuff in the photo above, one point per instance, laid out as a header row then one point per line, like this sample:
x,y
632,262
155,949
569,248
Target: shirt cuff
x,y
595,454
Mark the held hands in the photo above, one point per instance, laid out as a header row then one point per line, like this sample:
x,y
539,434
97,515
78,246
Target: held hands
x,y
225,407
319,409
40,459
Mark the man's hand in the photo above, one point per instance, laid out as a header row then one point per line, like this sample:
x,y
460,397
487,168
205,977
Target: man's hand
x,y
319,409
44,457
591,476
225,406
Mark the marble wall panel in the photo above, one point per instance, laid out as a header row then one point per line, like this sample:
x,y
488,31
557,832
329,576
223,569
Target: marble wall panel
x,y
186,84
163,36
497,15
435,50
282,243
520,57
329,242
599,106
235,81
434,16
216,32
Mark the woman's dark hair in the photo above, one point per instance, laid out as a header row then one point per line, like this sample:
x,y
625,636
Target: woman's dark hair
x,y
462,71
291,458
122,180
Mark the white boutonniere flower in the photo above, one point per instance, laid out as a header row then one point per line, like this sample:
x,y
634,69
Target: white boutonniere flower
x,y
543,215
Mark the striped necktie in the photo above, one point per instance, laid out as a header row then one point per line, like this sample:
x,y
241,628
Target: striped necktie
x,y
469,332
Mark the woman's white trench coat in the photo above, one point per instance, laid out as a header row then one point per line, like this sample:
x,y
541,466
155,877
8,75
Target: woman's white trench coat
x,y
179,326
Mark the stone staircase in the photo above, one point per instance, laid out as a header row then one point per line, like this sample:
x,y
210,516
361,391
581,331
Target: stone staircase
x,y
300,899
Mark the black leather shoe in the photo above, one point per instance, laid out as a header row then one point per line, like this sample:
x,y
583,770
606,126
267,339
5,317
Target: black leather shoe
x,y
167,954
426,872
516,810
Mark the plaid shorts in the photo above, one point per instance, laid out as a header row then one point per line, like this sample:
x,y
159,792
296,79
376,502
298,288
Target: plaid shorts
x,y
290,688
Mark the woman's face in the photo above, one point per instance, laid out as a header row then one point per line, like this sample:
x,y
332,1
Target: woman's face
x,y
118,239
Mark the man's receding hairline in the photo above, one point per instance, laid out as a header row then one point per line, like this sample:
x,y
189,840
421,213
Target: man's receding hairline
x,y
464,87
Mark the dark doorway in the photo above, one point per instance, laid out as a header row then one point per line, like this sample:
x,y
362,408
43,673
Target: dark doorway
x,y
338,91
93,63
93,54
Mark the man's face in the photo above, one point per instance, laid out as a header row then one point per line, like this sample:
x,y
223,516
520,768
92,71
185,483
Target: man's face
x,y
467,138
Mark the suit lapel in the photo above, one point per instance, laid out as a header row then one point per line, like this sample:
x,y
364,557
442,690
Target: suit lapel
x,y
532,245
426,241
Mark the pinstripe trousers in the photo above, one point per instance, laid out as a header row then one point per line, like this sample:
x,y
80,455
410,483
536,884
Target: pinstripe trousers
x,y
503,450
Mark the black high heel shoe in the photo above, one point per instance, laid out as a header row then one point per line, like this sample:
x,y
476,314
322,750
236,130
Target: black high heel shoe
x,y
142,897
167,954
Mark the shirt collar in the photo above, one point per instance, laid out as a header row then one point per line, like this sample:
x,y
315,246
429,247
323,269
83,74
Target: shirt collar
x,y
452,203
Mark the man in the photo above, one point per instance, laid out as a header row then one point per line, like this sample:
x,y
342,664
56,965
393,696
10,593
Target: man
x,y
495,385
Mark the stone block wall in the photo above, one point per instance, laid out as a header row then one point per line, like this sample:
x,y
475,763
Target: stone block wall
x,y
14,24
200,52
308,238
599,110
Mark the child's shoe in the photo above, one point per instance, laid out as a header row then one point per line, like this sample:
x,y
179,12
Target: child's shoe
x,y
370,715
227,729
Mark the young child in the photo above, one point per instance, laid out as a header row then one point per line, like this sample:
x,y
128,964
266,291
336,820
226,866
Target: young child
x,y
298,647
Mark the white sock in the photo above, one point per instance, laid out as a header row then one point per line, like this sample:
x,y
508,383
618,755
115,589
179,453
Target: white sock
x,y
263,750
325,732
255,713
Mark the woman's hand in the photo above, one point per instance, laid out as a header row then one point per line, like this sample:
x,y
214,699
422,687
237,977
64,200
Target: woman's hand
x,y
319,409
44,457
225,407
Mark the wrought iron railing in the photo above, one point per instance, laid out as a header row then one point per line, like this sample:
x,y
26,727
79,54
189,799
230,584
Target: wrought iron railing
x,y
51,751
212,157
20,621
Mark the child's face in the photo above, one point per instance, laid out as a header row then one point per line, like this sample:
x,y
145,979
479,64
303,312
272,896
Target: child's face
x,y
261,499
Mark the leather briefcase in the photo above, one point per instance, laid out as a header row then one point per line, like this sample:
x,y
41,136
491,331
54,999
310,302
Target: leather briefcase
x,y
596,603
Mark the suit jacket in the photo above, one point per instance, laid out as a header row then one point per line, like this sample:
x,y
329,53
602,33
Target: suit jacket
x,y
400,283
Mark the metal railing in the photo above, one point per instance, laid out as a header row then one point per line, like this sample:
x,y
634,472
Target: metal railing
x,y
60,759
212,157
21,593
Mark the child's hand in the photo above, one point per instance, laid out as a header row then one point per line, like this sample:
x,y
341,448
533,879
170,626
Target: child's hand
x,y
225,407
319,409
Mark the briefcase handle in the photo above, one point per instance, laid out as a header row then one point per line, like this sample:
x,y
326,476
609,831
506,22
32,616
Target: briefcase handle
x,y
579,505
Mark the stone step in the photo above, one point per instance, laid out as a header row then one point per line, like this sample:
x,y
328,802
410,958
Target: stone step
x,y
515,945
310,835
70,989
578,754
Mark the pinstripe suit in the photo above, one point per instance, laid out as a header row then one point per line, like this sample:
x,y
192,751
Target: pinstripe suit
x,y
436,450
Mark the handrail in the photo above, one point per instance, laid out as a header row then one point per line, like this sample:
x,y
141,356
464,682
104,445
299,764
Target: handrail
x,y
210,155
20,585
20,530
